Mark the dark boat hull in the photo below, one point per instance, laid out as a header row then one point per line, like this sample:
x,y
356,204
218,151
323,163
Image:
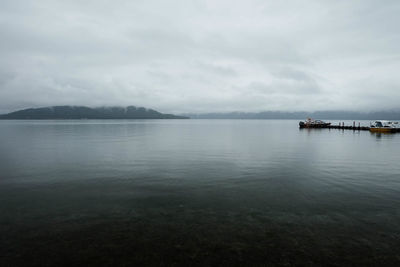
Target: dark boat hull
x,y
314,125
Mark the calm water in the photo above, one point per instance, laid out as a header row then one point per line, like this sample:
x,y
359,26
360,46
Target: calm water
x,y
198,192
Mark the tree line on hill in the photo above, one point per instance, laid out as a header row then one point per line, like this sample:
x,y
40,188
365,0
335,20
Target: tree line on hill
x,y
80,112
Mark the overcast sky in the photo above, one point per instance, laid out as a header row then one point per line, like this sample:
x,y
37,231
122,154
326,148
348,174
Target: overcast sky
x,y
201,56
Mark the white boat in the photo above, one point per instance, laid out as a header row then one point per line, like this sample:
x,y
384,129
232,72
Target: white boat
x,y
382,126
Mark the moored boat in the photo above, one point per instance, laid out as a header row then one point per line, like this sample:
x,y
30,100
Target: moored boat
x,y
384,127
311,123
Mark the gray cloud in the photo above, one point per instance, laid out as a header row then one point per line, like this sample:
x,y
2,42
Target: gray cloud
x,y
201,56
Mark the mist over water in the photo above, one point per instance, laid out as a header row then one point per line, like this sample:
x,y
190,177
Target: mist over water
x,y
204,192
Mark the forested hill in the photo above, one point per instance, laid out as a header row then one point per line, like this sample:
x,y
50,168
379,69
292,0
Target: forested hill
x,y
80,112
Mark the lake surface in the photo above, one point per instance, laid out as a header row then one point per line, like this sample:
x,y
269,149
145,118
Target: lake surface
x,y
198,192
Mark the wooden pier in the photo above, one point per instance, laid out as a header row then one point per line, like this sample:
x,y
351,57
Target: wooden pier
x,y
346,127
342,126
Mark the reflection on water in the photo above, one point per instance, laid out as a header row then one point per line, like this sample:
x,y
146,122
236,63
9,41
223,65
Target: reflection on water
x,y
202,192
384,135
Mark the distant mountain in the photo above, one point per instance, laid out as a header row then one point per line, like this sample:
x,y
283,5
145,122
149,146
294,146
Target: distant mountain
x,y
78,112
333,115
